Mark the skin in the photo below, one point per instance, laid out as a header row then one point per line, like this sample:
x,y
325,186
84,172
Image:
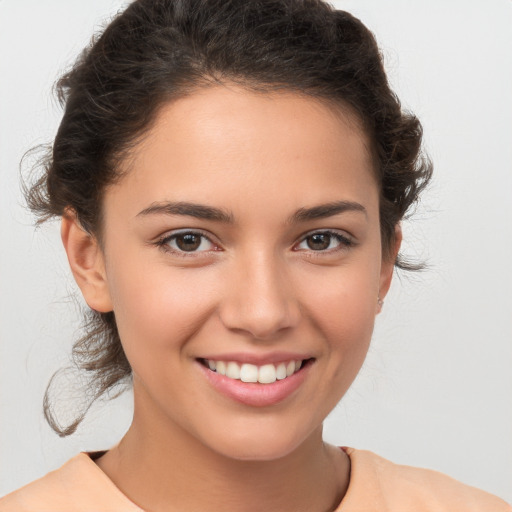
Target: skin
x,y
256,288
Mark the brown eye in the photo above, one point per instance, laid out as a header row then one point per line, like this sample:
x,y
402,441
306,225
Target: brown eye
x,y
325,241
188,241
319,241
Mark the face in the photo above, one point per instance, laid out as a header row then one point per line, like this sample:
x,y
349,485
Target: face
x,y
244,239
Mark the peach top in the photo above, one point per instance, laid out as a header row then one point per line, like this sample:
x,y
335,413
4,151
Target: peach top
x,y
376,485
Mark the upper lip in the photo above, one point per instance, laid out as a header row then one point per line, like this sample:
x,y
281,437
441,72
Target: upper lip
x,y
258,359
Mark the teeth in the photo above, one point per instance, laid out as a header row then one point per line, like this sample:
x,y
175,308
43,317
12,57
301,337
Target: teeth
x,y
233,371
220,367
281,372
265,374
249,373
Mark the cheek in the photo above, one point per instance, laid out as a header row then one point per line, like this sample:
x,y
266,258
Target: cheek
x,y
344,298
347,325
342,310
156,308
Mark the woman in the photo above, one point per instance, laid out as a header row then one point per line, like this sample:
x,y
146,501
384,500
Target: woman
x,y
231,178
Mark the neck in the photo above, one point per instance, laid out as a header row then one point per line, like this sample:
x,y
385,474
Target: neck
x,y
164,468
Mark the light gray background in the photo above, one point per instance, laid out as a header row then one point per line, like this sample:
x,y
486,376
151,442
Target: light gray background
x,y
436,390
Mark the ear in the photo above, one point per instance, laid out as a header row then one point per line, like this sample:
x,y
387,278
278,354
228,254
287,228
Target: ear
x,y
87,263
387,268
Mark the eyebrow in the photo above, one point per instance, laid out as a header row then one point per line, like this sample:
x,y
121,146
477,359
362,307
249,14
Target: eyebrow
x,y
205,212
326,210
189,209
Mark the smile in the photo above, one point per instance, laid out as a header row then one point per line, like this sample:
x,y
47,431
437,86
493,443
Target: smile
x,y
264,374
259,383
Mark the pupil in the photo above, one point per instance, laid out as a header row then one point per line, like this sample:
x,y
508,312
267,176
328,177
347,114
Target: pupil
x,y
188,242
319,241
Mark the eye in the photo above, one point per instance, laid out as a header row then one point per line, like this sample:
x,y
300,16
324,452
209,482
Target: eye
x,y
325,241
186,242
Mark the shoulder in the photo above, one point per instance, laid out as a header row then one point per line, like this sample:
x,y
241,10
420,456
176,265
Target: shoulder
x,y
78,486
378,484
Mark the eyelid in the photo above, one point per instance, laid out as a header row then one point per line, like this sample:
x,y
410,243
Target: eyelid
x,y
163,242
345,239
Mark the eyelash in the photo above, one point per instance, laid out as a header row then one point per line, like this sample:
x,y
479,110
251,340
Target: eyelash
x,y
344,242
163,243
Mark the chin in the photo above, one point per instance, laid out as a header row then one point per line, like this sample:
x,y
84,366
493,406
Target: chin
x,y
260,446
258,451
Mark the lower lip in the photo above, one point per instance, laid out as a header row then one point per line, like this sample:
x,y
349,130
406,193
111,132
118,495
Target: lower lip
x,y
253,393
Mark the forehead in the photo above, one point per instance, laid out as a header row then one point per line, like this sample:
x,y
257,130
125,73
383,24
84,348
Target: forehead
x,y
224,140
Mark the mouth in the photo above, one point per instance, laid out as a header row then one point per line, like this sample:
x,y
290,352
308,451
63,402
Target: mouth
x,y
251,373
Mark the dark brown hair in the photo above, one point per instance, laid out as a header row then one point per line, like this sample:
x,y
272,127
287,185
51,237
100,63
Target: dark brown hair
x,y
159,50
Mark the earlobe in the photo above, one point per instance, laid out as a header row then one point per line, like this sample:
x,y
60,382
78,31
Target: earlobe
x,y
87,263
387,268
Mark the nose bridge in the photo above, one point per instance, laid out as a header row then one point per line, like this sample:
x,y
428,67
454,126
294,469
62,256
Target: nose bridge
x,y
260,298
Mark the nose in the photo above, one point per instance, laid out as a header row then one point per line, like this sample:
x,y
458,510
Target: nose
x,y
259,298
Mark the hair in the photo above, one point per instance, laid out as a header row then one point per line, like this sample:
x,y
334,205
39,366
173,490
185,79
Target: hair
x,y
157,51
